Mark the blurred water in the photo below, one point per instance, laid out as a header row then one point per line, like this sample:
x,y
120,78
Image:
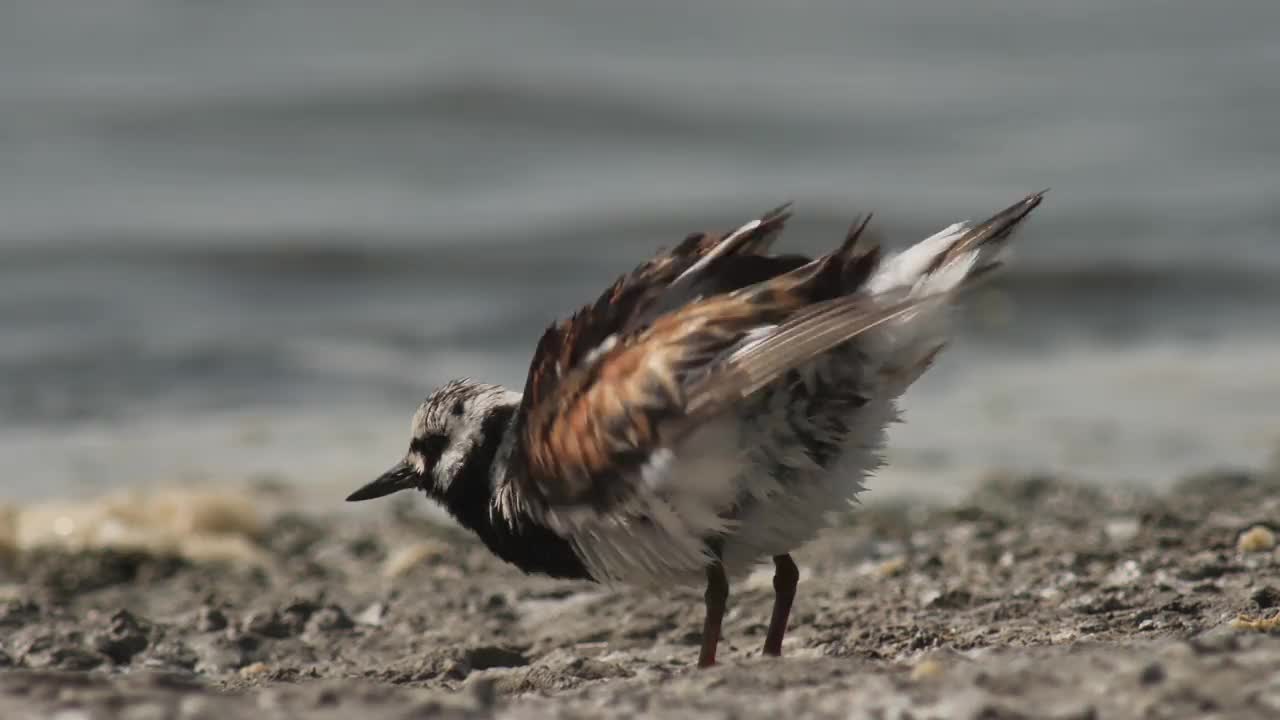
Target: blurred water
x,y
243,238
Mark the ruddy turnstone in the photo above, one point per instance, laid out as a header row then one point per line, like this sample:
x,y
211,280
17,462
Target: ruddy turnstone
x,y
707,412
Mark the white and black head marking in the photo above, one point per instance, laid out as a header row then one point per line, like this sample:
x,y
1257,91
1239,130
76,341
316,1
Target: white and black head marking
x,y
456,448
447,426
450,426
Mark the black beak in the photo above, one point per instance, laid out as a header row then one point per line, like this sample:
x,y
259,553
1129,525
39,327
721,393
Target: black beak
x,y
401,477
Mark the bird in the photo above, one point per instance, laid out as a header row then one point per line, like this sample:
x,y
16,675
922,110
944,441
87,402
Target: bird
x,y
708,412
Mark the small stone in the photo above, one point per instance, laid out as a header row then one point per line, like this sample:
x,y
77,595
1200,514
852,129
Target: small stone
x,y
1262,624
1122,530
954,599
1258,538
487,656
891,567
1266,597
245,642
1183,606
173,656
269,624
1153,674
328,619
372,615
927,669
298,613
364,547
210,619
1090,604
1126,573
123,638
18,612
404,560
254,671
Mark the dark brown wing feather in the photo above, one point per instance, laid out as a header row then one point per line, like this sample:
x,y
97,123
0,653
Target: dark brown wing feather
x,y
635,299
603,420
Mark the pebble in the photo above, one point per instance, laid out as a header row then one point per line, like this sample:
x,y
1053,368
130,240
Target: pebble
x,y
406,559
891,567
254,670
1258,538
1152,674
486,657
1265,597
210,620
1122,530
1260,624
329,618
927,669
269,624
372,615
123,638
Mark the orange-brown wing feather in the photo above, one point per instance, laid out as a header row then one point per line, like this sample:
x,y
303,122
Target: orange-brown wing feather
x,y
635,299
594,413
605,419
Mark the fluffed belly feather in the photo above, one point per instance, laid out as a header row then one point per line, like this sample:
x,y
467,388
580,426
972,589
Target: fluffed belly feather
x,y
766,478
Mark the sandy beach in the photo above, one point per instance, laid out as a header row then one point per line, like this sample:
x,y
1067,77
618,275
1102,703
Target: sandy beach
x,y
1033,597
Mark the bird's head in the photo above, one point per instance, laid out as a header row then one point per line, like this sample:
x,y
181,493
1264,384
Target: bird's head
x,y
450,425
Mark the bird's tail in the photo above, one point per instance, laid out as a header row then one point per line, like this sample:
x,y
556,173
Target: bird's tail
x,y
952,259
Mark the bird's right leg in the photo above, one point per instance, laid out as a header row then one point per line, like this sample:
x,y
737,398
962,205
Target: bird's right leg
x,y
785,578
716,597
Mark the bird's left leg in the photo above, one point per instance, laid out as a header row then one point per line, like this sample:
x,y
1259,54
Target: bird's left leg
x,y
786,576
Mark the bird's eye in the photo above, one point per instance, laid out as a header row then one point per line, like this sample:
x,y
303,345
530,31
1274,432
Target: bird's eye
x,y
458,406
429,446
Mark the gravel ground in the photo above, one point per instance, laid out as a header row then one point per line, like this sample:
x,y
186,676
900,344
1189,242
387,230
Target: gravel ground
x,y
1033,598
